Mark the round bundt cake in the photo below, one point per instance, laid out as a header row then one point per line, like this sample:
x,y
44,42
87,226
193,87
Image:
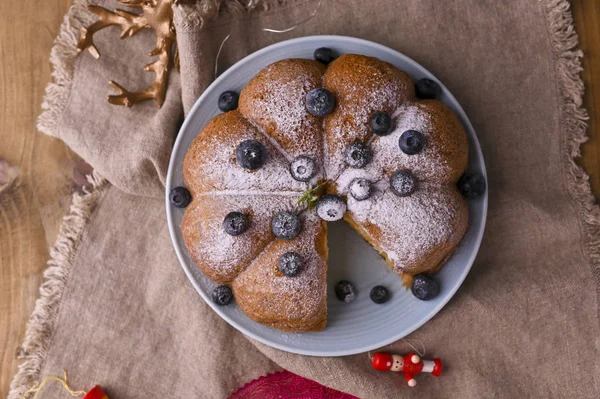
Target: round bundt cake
x,y
350,137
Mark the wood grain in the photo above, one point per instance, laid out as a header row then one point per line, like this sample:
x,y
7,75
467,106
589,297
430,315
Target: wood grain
x,y
31,211
587,24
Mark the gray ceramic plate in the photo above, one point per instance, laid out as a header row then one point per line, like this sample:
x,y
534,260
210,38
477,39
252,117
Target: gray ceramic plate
x,y
351,327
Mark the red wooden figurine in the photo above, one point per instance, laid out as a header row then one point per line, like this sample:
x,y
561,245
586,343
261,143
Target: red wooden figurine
x,y
410,365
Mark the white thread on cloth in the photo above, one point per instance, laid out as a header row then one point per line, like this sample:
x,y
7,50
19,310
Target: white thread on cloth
x,y
219,53
270,30
291,28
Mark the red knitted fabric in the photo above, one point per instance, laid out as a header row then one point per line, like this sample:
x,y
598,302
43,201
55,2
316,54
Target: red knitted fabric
x,y
286,385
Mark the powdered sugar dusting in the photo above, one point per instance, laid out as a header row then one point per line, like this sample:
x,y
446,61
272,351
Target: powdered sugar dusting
x,y
362,86
255,193
262,288
219,254
278,106
428,165
286,106
271,140
344,182
211,165
350,122
410,228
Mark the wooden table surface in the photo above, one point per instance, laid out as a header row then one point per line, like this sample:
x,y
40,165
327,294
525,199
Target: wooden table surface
x,y
30,213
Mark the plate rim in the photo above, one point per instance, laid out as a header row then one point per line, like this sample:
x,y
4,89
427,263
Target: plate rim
x,y
310,352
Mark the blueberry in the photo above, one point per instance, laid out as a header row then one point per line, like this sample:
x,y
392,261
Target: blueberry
x,y
361,189
180,197
427,88
331,207
228,100
425,287
381,123
303,168
290,263
251,154
320,102
403,183
325,55
286,225
471,185
358,155
411,142
380,294
344,291
235,223
222,295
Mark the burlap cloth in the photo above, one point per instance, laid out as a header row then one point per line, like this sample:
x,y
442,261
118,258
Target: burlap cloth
x,y
117,310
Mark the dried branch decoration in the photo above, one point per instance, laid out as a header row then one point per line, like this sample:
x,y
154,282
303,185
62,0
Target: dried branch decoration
x,y
157,15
